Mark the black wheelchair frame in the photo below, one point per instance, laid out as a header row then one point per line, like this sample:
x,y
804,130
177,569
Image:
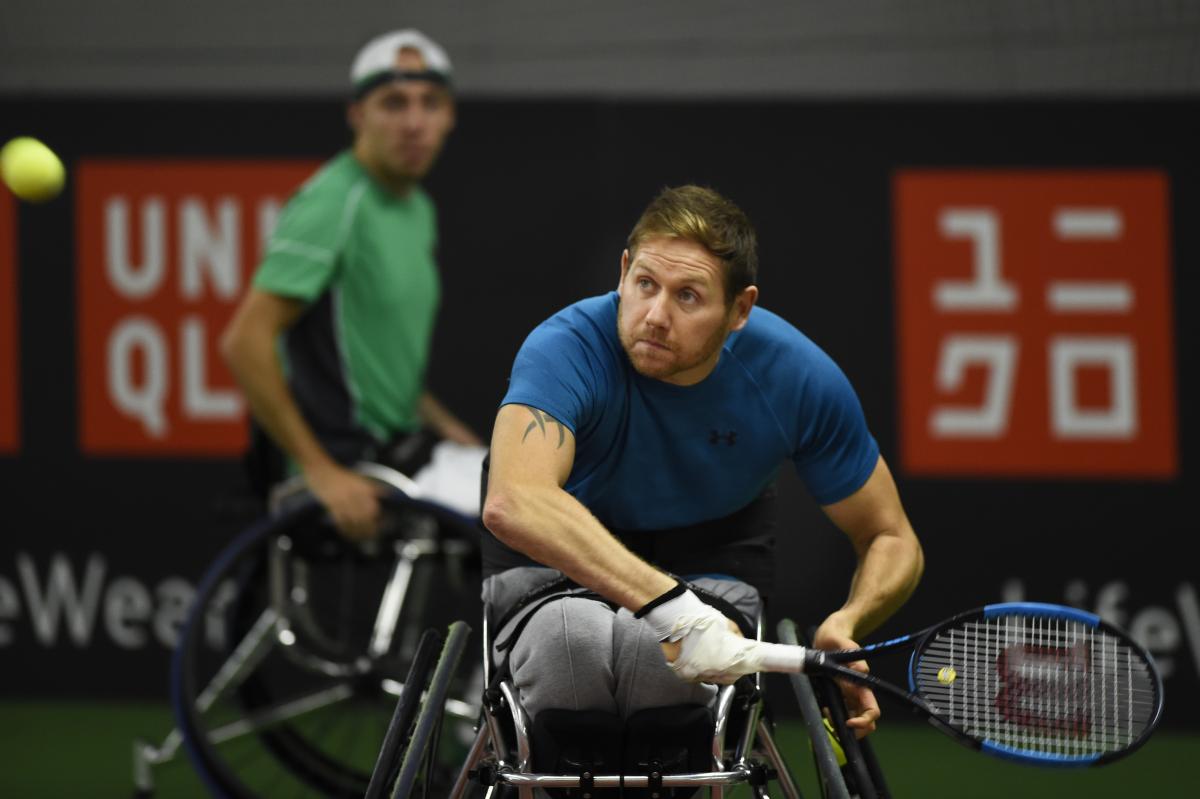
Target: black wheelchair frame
x,y
500,761
264,588
502,755
292,693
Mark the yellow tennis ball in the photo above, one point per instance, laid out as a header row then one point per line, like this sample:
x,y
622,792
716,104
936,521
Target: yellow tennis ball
x,y
947,675
31,169
838,752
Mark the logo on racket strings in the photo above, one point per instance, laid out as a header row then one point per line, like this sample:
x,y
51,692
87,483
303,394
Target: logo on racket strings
x,y
1046,688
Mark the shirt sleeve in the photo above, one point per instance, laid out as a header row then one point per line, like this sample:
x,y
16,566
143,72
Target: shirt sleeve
x,y
304,251
555,371
837,453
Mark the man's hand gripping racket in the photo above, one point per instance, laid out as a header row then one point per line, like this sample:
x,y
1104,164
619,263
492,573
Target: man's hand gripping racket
x,y
1038,683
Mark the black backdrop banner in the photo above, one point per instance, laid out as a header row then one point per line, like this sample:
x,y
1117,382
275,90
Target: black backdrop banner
x,y
101,547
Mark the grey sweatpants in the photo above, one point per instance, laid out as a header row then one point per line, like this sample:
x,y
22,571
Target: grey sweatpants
x,y
577,654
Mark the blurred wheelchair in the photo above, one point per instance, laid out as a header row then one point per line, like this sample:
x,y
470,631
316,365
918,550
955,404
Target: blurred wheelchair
x,y
298,643
658,753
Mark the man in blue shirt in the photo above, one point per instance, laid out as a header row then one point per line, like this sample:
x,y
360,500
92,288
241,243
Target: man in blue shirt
x,y
640,438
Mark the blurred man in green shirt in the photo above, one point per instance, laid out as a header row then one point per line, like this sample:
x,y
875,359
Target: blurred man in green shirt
x,y
331,343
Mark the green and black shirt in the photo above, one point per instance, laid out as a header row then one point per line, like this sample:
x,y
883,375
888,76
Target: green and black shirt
x,y
362,258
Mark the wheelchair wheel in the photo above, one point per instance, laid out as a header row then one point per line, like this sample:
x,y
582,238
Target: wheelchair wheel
x,y
275,687
407,765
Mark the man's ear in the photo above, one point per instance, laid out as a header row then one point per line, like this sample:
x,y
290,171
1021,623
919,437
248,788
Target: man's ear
x,y
742,304
354,115
624,268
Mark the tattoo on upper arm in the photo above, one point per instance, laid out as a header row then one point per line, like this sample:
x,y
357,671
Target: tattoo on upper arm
x,y
540,420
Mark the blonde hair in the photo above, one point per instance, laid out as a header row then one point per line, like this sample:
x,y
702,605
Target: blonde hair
x,y
703,216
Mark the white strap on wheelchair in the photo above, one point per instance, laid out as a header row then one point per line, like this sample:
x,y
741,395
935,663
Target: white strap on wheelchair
x,y
283,493
390,477
451,477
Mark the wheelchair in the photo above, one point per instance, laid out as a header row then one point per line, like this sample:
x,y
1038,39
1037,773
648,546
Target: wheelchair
x,y
298,643
657,753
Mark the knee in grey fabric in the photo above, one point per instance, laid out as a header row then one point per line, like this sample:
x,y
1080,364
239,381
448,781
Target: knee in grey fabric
x,y
564,657
576,654
643,678
742,596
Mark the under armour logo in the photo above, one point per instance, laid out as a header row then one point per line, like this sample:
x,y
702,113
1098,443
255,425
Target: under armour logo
x,y
716,437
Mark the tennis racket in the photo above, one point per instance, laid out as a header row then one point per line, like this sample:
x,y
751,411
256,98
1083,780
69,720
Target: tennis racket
x,y
1037,683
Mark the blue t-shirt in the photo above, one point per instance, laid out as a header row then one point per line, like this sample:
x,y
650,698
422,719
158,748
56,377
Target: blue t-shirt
x,y
653,455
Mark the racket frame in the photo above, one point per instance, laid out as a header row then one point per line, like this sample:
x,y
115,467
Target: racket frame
x,y
831,662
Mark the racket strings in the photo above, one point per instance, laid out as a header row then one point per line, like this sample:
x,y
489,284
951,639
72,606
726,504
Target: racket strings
x,y
1042,685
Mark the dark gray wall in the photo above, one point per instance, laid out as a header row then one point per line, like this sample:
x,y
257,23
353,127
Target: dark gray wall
x,y
700,48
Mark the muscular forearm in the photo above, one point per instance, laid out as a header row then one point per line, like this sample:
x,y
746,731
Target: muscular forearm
x,y
552,527
255,365
887,574
890,561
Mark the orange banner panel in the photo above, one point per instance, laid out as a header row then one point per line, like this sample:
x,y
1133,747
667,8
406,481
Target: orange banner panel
x,y
166,250
1034,325
10,384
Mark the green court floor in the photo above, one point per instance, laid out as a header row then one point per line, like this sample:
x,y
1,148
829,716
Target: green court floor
x,y
77,749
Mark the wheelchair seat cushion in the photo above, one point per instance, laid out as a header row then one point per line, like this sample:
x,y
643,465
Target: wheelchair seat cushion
x,y
668,740
576,742
664,740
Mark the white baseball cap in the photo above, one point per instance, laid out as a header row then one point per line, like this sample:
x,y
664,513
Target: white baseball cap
x,y
375,63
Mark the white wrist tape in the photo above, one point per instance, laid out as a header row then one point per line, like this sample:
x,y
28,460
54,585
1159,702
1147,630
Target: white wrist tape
x,y
709,650
674,618
714,653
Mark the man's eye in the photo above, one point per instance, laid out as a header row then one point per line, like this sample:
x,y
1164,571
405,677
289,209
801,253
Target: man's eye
x,y
688,296
644,283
